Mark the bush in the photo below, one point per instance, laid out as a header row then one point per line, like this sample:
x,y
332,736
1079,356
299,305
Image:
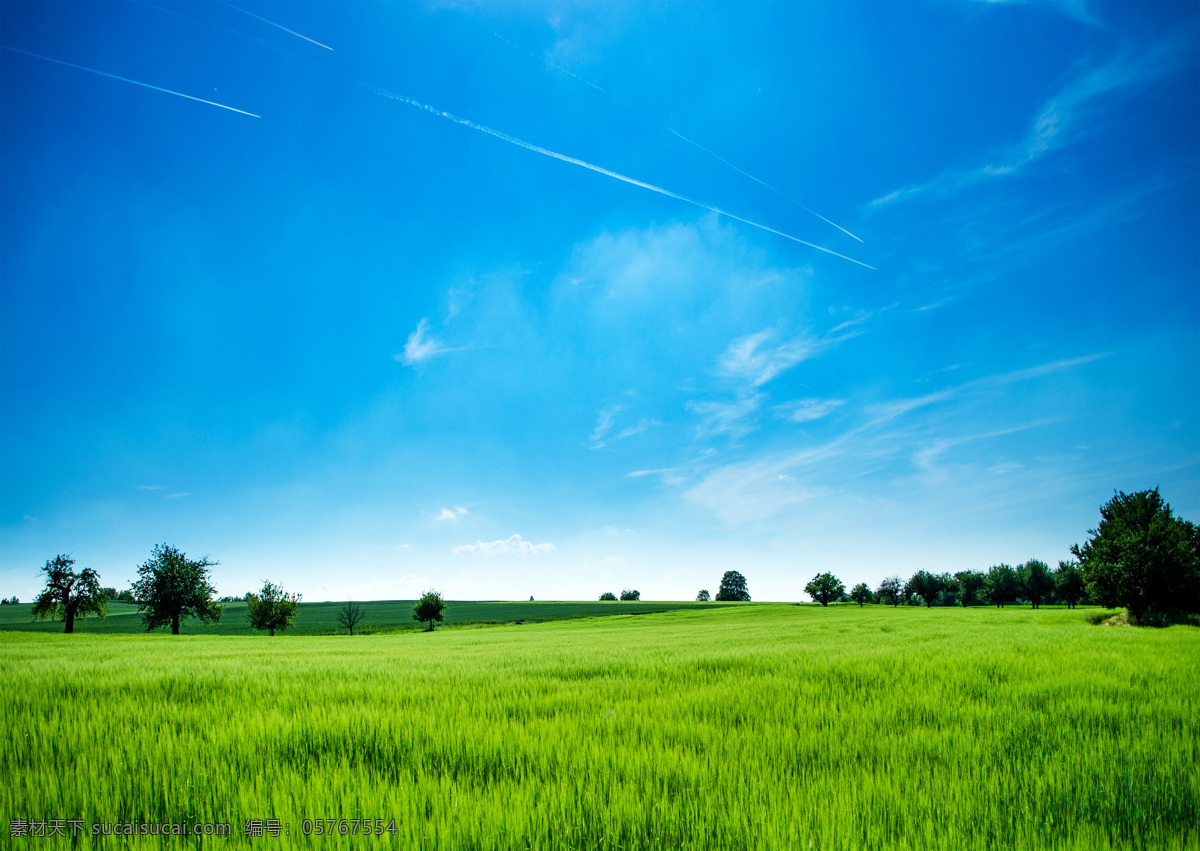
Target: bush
x,y
607,595
628,594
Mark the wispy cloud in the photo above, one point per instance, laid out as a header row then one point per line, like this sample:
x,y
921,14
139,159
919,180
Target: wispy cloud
x,y
807,410
732,418
420,347
452,513
606,420
513,545
1063,119
179,495
757,359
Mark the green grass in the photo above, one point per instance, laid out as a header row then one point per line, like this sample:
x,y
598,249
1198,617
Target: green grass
x,y
769,726
321,618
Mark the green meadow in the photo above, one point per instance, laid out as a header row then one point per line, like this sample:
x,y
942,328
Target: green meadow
x,y
321,618
760,726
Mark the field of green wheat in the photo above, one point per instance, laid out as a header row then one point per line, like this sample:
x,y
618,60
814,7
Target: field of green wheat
x,y
321,618
769,726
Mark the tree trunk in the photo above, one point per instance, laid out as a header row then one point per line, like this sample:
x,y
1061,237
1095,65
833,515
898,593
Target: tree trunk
x,y
70,619
271,630
175,625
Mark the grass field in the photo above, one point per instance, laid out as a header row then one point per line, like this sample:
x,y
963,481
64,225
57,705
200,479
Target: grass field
x,y
321,618
769,726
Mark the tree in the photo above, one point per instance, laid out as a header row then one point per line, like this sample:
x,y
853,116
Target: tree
x,y
629,594
1002,584
733,588
970,583
824,587
1068,583
271,608
1142,557
607,595
125,596
69,595
703,597
429,608
171,587
891,590
925,585
862,594
350,616
1036,581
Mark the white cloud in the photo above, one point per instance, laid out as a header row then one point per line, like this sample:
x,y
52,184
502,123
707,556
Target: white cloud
x,y
605,421
418,347
806,410
1065,117
452,513
751,358
178,495
732,418
514,545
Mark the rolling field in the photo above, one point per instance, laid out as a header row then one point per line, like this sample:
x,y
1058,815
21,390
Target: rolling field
x,y
768,726
321,618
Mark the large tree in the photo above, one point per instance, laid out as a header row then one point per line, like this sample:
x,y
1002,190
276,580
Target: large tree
x,y
1068,583
891,590
925,585
69,595
1003,585
429,608
171,587
824,588
861,593
733,588
1142,557
271,608
1036,581
970,583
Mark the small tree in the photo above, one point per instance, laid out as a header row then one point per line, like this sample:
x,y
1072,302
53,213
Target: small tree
x,y
429,608
891,590
1142,557
1068,583
825,587
970,583
1036,581
69,595
862,594
607,595
171,587
1003,584
733,588
925,585
628,594
350,616
703,597
271,608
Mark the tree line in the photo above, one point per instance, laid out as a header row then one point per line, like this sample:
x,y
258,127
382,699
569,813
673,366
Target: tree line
x,y
172,588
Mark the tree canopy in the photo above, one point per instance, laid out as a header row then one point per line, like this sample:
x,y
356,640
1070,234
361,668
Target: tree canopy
x,y
1143,558
271,608
1002,584
429,608
733,588
703,596
970,584
607,595
69,595
891,590
824,587
861,593
1068,583
1036,581
171,587
631,594
925,585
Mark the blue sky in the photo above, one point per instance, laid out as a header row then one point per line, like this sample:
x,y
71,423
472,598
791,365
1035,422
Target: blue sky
x,y
363,349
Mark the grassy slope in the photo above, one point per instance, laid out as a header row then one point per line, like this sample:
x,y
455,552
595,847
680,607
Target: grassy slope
x,y
770,726
321,618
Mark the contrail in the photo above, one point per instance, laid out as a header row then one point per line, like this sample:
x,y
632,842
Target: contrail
x,y
127,80
513,140
280,26
548,62
762,182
